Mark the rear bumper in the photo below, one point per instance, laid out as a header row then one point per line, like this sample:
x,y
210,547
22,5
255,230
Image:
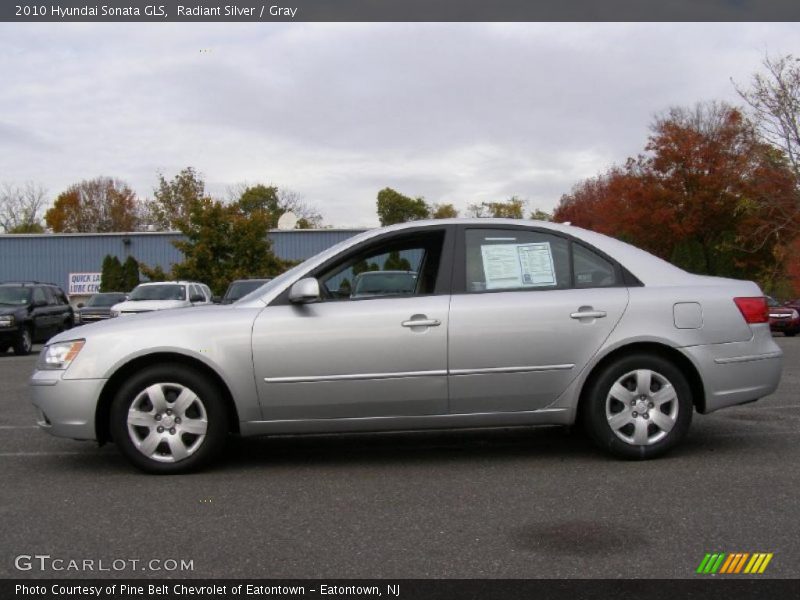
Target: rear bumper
x,y
738,372
65,407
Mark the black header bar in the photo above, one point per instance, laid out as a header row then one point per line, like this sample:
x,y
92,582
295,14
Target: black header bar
x,y
157,11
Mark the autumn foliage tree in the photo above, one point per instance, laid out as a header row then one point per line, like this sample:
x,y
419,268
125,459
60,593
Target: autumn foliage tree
x,y
103,204
702,195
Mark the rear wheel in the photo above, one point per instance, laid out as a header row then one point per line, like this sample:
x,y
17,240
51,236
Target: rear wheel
x,y
169,419
3,348
24,342
790,333
639,407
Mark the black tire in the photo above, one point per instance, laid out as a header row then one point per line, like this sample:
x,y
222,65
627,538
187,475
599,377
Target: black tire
x,y
3,348
170,379
790,333
23,344
602,405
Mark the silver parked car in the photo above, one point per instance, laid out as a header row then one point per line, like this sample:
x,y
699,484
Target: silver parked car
x,y
510,323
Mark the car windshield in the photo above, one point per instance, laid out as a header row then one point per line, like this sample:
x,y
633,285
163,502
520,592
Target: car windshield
x,y
165,291
99,300
238,289
14,295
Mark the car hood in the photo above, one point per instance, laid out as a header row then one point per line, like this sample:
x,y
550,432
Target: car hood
x,y
149,305
94,310
157,320
9,309
780,310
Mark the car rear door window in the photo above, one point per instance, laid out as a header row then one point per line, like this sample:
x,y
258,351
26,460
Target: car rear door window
x,y
516,259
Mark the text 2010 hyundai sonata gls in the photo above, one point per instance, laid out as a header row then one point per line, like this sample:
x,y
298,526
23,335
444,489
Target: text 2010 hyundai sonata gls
x,y
509,323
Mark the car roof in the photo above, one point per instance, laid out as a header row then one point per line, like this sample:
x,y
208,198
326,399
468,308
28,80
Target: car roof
x,y
170,283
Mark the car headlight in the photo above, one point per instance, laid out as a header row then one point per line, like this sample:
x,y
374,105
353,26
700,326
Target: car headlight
x,y
7,321
59,355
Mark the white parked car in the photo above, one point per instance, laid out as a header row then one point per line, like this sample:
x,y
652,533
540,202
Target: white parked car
x,y
161,295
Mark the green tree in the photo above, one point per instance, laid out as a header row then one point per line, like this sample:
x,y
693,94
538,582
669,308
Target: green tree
x,y
511,209
395,263
443,211
130,274
225,242
540,215
174,199
276,201
394,207
112,275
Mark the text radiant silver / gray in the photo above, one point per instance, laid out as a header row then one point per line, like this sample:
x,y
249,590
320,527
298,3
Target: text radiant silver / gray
x,y
493,323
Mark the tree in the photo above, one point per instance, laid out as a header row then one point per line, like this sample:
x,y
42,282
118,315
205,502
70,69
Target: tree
x,y
511,209
112,275
173,200
394,262
223,243
130,274
774,97
102,204
540,215
443,211
698,196
394,207
21,208
275,201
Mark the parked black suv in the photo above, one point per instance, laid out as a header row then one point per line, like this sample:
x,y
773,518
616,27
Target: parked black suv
x,y
31,312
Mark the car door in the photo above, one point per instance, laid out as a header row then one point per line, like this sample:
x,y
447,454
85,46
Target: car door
x,y
529,310
42,314
354,357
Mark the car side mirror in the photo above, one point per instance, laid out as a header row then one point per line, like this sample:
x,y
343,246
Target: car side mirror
x,y
40,303
305,291
80,305
197,298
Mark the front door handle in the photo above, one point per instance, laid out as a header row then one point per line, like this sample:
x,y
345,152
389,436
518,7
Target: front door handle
x,y
421,321
586,312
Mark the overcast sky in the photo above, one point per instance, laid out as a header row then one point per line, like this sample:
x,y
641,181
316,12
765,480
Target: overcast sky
x,y
459,113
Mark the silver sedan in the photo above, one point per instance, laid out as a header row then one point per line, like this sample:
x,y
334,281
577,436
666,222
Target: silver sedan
x,y
508,323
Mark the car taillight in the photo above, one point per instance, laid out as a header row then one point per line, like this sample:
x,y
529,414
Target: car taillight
x,y
754,310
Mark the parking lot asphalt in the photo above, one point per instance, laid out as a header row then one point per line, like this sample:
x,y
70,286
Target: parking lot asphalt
x,y
498,503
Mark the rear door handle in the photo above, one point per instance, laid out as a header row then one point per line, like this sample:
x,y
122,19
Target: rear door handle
x,y
421,323
588,314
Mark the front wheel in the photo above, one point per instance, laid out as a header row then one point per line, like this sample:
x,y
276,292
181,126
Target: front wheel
x,y
638,407
24,342
169,419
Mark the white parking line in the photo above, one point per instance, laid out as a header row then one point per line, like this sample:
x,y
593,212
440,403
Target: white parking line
x,y
750,433
14,454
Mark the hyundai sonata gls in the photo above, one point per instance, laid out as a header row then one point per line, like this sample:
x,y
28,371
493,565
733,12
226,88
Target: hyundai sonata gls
x,y
508,323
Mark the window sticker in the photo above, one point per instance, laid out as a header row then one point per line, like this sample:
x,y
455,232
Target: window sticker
x,y
518,265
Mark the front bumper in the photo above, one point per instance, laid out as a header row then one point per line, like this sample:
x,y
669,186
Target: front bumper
x,y
9,334
738,372
66,407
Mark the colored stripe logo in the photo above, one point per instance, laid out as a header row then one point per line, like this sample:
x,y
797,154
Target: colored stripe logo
x,y
734,563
